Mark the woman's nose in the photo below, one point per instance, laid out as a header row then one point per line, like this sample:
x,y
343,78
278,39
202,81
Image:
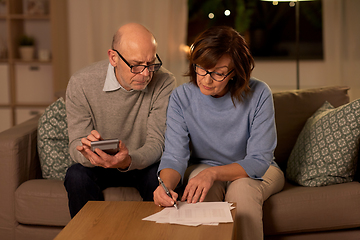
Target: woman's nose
x,y
207,78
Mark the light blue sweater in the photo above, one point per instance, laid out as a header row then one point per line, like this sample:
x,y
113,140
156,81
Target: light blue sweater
x,y
219,132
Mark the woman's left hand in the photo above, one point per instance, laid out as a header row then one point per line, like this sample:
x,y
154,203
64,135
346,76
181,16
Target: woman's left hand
x,y
199,186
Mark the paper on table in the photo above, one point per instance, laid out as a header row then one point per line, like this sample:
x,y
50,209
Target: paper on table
x,y
194,214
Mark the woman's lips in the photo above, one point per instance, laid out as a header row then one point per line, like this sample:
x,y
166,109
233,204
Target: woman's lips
x,y
206,87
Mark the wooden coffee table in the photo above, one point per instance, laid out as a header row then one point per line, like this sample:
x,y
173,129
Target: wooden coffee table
x,y
122,220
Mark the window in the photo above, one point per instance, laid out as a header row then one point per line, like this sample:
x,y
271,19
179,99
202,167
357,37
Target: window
x,y
268,28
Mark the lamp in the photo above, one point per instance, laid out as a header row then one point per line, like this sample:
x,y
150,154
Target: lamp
x,y
297,29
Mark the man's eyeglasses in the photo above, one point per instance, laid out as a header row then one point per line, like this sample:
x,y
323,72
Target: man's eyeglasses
x,y
219,77
140,68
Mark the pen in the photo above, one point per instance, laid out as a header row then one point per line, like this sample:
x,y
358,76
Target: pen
x,y
166,190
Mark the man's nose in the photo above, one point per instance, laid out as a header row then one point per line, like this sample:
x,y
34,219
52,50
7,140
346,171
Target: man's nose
x,y
145,72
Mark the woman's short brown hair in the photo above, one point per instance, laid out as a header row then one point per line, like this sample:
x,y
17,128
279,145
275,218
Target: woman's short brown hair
x,y
215,42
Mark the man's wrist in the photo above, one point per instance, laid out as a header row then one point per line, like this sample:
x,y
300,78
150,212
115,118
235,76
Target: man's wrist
x,y
127,166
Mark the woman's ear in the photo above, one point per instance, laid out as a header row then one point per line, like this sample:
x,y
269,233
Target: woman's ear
x,y
112,57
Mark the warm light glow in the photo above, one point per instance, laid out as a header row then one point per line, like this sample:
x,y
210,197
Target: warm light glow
x,y
292,2
286,1
227,12
185,49
211,15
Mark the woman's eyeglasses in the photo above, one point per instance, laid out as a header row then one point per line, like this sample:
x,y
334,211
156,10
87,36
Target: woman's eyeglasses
x,y
219,77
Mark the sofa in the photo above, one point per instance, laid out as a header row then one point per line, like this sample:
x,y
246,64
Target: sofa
x,y
32,207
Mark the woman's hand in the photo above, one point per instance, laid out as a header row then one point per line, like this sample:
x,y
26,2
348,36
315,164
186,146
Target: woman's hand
x,y
199,186
170,178
162,199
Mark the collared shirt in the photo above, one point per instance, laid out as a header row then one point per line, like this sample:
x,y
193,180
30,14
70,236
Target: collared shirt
x,y
111,82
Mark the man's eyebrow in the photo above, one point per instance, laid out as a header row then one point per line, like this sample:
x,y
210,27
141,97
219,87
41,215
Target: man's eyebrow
x,y
140,63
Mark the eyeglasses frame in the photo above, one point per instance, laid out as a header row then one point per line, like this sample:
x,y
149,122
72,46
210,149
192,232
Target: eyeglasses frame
x,y
208,72
145,66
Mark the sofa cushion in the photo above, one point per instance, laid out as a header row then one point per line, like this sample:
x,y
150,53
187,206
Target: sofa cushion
x,y
42,202
305,209
293,108
45,201
326,150
53,141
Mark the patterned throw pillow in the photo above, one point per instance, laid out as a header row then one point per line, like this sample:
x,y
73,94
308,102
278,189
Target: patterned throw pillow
x,y
53,141
327,148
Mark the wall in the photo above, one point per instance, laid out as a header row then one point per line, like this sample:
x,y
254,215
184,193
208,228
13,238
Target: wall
x,y
92,25
341,64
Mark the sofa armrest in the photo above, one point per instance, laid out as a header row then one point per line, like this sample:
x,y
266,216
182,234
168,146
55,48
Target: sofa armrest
x,y
19,162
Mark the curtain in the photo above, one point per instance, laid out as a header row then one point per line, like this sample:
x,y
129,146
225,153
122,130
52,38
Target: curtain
x,y
350,57
342,44
92,24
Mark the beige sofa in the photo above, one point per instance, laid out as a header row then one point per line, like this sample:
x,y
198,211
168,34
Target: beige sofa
x,y
36,208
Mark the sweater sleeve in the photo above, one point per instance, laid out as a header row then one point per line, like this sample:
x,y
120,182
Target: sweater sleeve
x,y
177,151
151,151
262,140
79,120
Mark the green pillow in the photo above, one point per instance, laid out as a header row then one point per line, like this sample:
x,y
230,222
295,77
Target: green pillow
x,y
53,141
327,148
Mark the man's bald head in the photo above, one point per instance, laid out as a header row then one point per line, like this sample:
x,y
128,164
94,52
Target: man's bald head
x,y
133,45
133,33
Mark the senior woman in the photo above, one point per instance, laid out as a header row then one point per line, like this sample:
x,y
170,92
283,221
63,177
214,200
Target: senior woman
x,y
221,132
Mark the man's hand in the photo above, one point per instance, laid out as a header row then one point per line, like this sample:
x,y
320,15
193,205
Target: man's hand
x,y
199,186
99,158
86,143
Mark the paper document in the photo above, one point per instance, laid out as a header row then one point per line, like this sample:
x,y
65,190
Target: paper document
x,y
194,214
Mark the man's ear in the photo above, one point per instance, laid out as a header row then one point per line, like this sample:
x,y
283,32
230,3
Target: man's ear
x,y
112,57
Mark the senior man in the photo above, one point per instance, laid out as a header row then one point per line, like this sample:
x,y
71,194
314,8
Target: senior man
x,y
124,97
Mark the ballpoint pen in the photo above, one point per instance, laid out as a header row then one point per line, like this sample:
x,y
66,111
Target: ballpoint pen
x,y
166,190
